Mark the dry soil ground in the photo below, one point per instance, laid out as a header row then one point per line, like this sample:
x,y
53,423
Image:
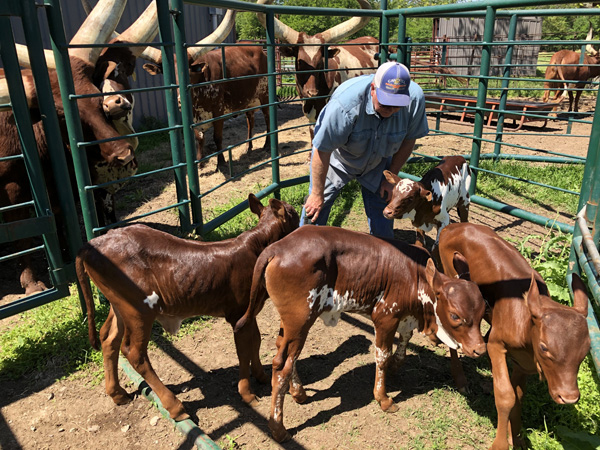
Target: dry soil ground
x,y
337,367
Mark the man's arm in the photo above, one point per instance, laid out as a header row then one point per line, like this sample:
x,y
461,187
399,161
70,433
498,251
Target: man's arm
x,y
398,160
319,168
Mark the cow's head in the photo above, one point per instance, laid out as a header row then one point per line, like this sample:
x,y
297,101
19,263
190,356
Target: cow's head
x,y
560,339
455,314
407,196
194,53
310,59
94,72
111,74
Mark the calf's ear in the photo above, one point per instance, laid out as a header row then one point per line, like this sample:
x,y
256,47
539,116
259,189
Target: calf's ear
x,y
580,295
427,195
278,208
255,205
532,299
392,178
431,274
461,266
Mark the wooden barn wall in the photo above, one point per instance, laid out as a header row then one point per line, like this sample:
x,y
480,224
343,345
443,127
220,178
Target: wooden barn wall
x,y
199,22
466,59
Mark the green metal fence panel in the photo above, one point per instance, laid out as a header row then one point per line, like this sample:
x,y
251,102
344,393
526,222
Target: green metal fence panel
x,y
44,225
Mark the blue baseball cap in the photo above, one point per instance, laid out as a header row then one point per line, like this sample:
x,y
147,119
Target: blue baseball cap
x,y
391,84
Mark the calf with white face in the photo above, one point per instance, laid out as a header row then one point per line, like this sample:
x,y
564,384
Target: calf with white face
x,y
427,202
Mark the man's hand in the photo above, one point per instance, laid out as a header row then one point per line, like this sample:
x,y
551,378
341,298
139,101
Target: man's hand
x,y
313,205
386,189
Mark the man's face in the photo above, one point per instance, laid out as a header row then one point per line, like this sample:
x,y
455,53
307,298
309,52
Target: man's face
x,y
382,110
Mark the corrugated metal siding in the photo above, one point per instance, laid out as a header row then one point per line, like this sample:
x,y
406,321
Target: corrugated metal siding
x,y
199,22
466,59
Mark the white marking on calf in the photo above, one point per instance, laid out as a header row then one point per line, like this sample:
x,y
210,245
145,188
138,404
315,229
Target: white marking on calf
x,y
152,299
405,330
441,333
404,185
335,303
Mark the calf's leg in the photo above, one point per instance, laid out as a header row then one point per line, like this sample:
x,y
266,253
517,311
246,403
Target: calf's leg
x,y
463,211
296,389
139,336
247,345
384,341
111,336
289,346
458,373
504,395
518,380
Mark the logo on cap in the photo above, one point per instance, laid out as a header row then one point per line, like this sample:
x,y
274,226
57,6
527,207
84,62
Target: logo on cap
x,y
396,84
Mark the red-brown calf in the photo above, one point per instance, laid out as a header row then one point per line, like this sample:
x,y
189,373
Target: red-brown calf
x,y
427,202
148,275
538,334
324,271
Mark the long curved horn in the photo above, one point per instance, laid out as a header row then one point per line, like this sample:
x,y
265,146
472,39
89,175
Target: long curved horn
x,y
4,95
144,29
349,27
23,57
97,28
282,31
216,37
87,53
589,48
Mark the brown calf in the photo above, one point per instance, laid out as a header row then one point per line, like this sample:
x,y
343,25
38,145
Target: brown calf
x,y
148,275
324,271
538,334
427,202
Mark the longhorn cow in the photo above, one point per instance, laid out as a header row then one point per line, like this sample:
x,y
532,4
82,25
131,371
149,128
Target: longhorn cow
x,y
565,66
108,160
211,101
344,61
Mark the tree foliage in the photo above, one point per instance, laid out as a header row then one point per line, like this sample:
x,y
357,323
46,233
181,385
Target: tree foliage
x,y
248,26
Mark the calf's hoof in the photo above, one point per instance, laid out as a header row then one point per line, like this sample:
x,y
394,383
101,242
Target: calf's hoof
x,y
388,406
177,412
278,431
250,399
121,397
299,395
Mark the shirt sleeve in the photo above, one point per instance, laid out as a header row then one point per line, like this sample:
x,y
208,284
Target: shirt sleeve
x,y
333,127
417,127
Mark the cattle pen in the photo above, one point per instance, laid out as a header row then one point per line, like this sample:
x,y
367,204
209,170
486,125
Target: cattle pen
x,y
482,109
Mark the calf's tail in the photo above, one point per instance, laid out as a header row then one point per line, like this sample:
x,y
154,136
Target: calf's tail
x,y
258,281
84,283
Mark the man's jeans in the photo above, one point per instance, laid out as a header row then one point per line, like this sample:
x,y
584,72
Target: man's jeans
x,y
373,203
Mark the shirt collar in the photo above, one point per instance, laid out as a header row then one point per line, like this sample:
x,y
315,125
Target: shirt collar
x,y
370,107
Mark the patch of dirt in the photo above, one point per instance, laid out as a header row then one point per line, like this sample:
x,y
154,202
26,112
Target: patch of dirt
x,y
336,365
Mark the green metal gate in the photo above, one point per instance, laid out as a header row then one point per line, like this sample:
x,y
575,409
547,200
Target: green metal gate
x,y
43,224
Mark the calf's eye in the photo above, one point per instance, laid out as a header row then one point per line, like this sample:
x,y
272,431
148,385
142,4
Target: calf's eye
x,y
543,348
454,316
